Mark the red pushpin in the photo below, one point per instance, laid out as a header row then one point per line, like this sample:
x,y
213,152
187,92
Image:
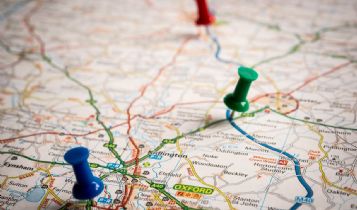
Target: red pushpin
x,y
204,15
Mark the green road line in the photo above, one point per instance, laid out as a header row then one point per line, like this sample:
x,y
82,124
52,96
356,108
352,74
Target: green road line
x,y
334,28
183,206
148,154
341,57
121,171
200,129
91,102
89,204
292,50
301,42
309,122
336,56
32,159
7,48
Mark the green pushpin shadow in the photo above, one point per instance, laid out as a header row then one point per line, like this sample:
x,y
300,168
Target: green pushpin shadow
x,y
237,101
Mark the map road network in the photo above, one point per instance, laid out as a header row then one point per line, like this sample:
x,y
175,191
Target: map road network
x,y
141,86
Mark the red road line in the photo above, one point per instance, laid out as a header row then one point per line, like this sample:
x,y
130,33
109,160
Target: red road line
x,y
142,92
297,103
144,88
336,68
169,109
260,96
99,207
306,82
149,3
66,47
31,29
164,111
296,107
125,198
18,60
57,133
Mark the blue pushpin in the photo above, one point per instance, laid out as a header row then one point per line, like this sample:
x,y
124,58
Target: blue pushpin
x,y
87,185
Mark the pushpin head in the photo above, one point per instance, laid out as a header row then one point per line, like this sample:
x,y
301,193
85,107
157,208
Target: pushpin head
x,y
204,15
76,155
247,74
87,185
237,100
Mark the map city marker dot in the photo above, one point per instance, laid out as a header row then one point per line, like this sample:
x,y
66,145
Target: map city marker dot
x,y
204,15
87,185
237,101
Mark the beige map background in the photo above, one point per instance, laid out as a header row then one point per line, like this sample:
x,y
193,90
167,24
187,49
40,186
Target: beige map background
x,y
140,85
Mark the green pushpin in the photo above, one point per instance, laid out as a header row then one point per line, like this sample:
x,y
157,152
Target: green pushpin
x,y
237,101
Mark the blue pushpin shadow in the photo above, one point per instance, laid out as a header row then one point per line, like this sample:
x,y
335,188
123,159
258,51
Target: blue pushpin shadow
x,y
87,185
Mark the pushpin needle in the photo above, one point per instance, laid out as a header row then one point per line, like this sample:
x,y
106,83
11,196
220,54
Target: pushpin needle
x,y
232,114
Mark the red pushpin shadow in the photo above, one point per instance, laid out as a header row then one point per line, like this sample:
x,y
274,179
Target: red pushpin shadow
x,y
204,15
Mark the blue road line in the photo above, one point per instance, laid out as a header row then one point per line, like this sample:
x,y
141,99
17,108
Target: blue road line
x,y
218,49
310,193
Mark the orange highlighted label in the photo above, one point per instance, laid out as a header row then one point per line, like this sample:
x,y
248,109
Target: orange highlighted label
x,y
283,162
188,195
